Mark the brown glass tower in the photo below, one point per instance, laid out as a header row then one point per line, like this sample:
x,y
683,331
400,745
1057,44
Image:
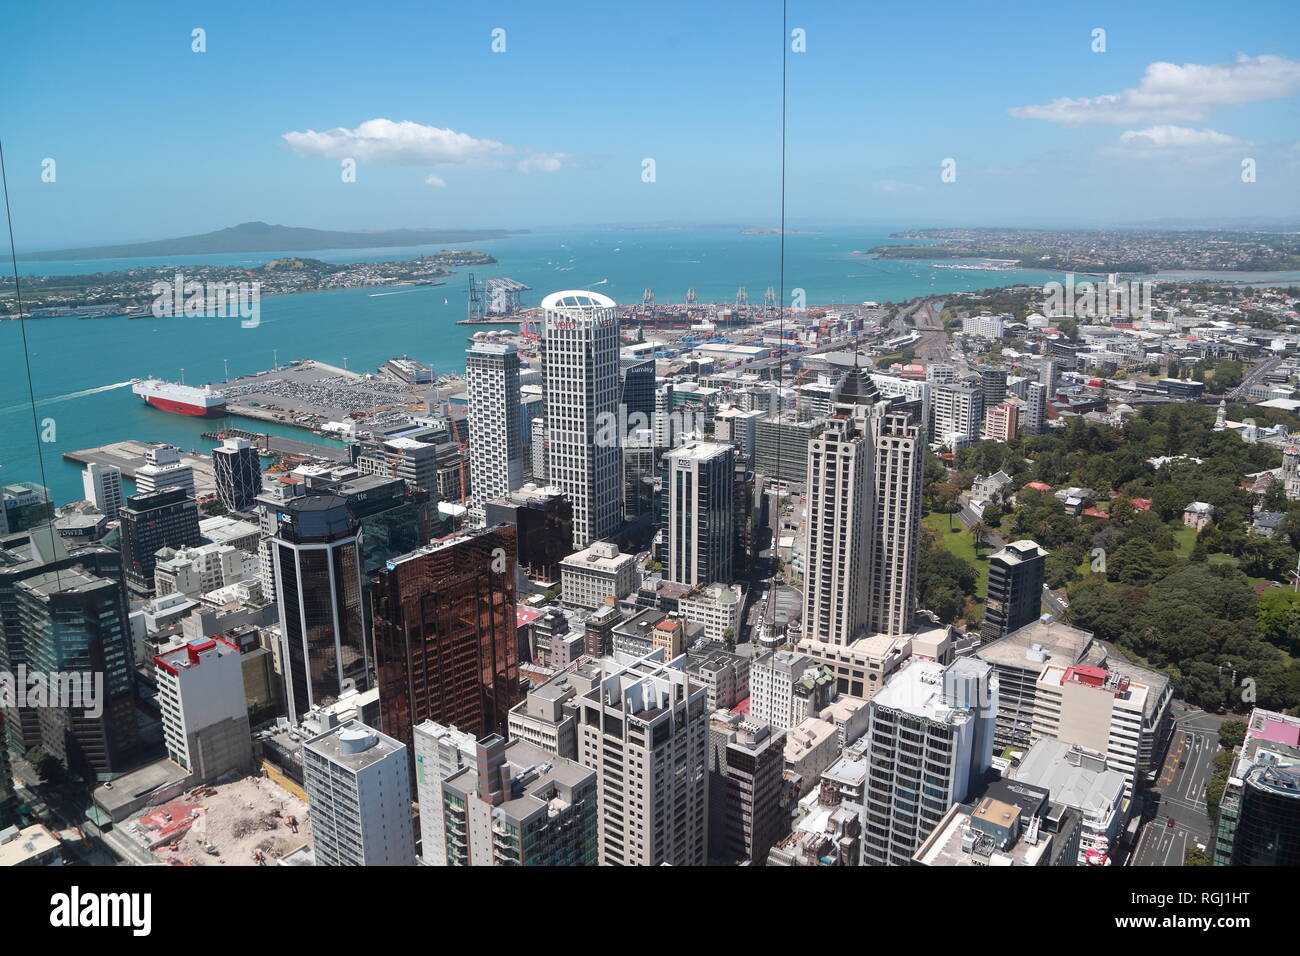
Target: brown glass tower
x,y
444,625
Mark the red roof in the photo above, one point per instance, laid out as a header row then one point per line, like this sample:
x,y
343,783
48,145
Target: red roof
x,y
1094,513
525,615
1141,504
1038,486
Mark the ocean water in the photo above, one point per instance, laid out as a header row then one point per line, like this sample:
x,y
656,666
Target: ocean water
x,y
81,368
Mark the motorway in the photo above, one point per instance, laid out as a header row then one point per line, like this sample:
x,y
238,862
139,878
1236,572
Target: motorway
x,y
1179,793
1253,378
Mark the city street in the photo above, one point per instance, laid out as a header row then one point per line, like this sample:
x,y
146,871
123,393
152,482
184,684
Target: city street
x,y
1179,793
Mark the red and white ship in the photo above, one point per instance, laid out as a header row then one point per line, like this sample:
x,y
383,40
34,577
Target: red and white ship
x,y
181,399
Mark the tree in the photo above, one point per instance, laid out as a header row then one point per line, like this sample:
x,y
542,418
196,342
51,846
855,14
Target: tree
x,y
979,529
1195,856
946,495
1232,734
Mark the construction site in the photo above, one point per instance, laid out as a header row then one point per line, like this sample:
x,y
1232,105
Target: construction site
x,y
249,821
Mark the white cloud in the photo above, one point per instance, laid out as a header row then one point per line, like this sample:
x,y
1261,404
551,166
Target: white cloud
x,y
392,143
541,162
388,143
1169,93
1177,137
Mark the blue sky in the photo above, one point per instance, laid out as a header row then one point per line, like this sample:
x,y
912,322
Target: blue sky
x,y
152,139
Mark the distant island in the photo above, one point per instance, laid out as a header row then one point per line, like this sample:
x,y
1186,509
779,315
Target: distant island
x,y
774,231
1141,251
263,237
129,292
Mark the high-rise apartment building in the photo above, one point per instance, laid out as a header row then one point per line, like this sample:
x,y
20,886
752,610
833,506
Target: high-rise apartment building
x,y
496,442
1018,659
840,529
958,413
316,554
993,385
1015,589
580,370
644,729
445,645
440,753
237,468
1035,409
102,485
701,538
899,433
204,710
931,744
163,469
1001,421
746,765
520,806
151,521
863,518
358,784
1096,708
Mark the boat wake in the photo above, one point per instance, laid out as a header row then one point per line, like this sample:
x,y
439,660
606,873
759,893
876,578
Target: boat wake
x,y
64,398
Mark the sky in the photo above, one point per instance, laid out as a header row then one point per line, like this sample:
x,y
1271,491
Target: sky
x,y
1037,119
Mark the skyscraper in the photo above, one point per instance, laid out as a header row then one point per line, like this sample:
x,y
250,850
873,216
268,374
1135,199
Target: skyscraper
x,y
899,432
931,733
440,752
102,485
580,370
841,519
746,760
1015,589
76,624
164,469
519,806
27,555
316,556
444,618
644,728
204,710
358,785
701,539
151,521
863,519
496,444
993,384
238,472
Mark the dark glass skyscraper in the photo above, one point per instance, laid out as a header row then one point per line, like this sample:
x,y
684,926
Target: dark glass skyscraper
x,y
76,624
237,469
445,648
318,580
1015,591
151,521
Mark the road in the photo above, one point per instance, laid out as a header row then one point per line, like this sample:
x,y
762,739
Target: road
x,y
1179,793
1253,378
